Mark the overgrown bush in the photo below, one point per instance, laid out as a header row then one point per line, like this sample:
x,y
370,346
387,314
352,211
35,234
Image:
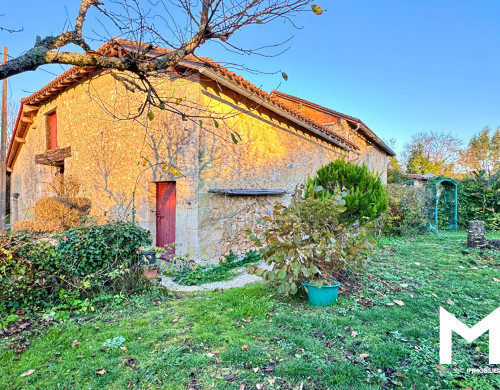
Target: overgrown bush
x,y
65,185
407,211
80,262
365,197
55,214
479,199
310,241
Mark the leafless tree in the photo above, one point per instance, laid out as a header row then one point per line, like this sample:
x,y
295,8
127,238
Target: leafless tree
x,y
441,150
152,24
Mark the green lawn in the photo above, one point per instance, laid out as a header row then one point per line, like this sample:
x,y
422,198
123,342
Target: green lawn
x,y
250,338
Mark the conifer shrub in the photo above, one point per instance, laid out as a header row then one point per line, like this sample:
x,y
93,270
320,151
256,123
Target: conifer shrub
x,y
365,195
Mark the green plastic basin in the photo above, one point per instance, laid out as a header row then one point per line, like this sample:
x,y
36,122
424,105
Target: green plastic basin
x,y
324,296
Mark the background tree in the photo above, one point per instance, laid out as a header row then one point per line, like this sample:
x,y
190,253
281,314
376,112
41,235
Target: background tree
x,y
482,153
433,152
395,172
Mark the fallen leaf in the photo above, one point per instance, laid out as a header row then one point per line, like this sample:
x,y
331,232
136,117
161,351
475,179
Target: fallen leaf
x,y
75,343
245,347
398,302
101,372
364,356
390,304
123,348
247,320
354,334
256,370
80,356
439,367
28,373
496,279
450,302
97,328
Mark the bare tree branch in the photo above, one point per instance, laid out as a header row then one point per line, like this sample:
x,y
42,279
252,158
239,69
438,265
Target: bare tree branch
x,y
206,20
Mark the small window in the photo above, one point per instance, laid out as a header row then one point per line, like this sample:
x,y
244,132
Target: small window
x,y
52,131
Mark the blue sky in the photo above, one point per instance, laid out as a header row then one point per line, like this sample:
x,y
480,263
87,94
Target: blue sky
x,y
400,66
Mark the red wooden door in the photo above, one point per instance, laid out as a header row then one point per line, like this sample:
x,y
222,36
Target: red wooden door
x,y
165,213
53,131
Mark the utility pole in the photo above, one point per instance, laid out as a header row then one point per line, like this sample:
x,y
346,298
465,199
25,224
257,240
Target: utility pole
x,y
3,151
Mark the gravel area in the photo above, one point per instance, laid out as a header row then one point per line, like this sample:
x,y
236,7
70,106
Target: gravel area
x,y
240,280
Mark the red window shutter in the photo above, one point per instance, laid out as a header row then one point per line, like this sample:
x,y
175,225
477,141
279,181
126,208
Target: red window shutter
x,y
53,131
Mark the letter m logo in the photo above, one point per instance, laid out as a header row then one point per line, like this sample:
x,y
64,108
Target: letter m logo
x,y
448,323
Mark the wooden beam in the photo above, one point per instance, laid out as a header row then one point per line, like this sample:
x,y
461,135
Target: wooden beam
x,y
20,140
27,119
28,108
52,157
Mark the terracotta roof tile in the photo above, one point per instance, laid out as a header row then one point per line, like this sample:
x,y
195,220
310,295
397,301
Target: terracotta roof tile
x,y
119,47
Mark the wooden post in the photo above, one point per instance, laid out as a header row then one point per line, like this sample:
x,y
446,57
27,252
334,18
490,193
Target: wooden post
x,y
3,151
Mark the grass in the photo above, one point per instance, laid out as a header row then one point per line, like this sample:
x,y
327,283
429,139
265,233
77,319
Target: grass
x,y
250,336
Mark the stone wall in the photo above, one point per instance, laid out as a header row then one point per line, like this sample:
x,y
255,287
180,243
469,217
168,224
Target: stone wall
x,y
118,162
273,154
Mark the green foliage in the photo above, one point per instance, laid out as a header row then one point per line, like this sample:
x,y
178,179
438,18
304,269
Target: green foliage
x,y
199,336
479,199
395,174
115,342
207,274
407,212
419,163
365,197
308,241
69,267
88,250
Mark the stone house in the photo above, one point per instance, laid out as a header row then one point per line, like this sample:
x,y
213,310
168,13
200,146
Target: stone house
x,y
182,178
